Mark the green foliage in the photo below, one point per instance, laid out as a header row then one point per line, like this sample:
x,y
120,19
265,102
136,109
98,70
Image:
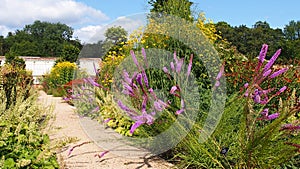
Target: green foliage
x,y
179,8
39,39
22,144
69,53
114,37
15,80
60,74
267,150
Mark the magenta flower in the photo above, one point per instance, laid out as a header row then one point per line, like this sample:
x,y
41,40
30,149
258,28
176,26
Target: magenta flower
x,y
265,112
142,119
290,127
279,72
221,72
172,66
107,120
262,56
190,66
272,60
134,58
281,90
273,116
267,73
101,154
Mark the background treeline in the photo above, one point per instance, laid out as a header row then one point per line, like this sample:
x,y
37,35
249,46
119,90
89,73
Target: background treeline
x,y
38,39
248,40
48,40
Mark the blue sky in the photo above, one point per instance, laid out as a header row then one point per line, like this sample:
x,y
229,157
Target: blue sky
x,y
90,17
276,12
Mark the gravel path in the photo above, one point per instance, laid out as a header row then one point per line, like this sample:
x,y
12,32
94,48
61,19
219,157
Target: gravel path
x,y
69,125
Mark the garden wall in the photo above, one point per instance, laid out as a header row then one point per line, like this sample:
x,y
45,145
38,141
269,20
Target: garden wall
x,y
41,65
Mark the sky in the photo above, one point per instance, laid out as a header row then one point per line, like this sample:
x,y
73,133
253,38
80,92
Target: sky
x,y
90,18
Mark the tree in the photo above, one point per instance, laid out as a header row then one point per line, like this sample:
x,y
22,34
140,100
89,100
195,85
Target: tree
x,y
179,8
39,39
292,30
114,36
69,53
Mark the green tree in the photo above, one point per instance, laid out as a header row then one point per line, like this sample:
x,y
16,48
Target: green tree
x,y
114,36
179,8
69,53
292,30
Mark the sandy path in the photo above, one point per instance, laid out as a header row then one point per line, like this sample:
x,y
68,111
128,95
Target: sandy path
x,y
68,125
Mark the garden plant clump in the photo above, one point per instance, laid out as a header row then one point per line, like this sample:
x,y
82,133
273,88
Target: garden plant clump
x,y
23,144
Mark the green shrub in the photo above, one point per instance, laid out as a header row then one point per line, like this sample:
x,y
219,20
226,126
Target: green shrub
x,y
22,144
60,74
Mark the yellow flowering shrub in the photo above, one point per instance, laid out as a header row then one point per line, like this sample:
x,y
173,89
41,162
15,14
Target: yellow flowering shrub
x,y
60,74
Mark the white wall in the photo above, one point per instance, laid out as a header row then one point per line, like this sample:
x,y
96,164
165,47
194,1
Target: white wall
x,y
42,65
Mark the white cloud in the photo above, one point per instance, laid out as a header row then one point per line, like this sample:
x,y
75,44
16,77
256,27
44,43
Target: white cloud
x,y
87,34
4,30
92,34
17,13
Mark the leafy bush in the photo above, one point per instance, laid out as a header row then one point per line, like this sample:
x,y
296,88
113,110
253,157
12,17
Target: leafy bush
x,y
60,74
15,81
22,144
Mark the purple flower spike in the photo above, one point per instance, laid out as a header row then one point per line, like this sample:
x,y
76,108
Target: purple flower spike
x,y
135,126
107,120
145,57
139,79
257,98
265,112
134,58
172,66
92,82
165,70
262,56
101,154
220,72
173,89
126,77
145,78
217,84
273,116
142,119
272,60
281,90
179,65
190,66
267,73
279,72
179,111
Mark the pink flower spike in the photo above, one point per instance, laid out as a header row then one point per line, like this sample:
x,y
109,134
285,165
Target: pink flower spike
x,y
173,89
281,90
220,72
273,116
190,65
246,85
135,126
265,112
267,73
145,56
107,120
262,55
279,72
134,58
179,111
272,60
179,65
172,66
101,154
165,70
